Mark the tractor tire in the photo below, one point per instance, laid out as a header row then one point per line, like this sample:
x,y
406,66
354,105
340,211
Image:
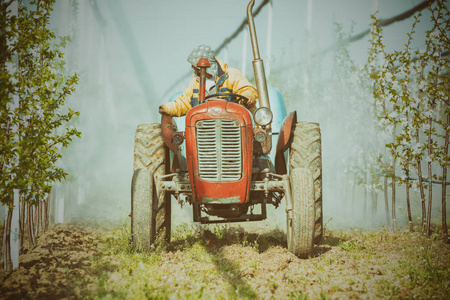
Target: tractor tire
x,y
300,228
150,212
306,152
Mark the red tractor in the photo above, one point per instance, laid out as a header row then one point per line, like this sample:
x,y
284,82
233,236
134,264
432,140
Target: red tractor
x,y
223,165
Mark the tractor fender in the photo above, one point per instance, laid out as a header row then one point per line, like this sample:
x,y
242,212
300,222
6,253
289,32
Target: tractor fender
x,y
284,142
168,129
179,161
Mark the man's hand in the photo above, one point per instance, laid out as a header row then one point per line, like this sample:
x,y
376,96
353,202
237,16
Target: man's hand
x,y
161,110
249,102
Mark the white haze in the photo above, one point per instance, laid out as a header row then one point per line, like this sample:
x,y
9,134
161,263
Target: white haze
x,y
129,53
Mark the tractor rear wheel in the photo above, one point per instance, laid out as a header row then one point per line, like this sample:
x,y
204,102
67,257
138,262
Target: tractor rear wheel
x,y
300,227
150,211
306,152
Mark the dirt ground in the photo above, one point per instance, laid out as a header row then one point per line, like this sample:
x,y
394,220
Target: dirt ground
x,y
72,261
61,256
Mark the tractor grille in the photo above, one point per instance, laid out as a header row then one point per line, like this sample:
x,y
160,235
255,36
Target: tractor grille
x,y
219,150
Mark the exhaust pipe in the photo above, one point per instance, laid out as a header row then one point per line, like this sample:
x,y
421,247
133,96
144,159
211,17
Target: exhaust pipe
x,y
258,65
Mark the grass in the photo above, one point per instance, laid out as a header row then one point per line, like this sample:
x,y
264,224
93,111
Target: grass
x,y
194,257
230,262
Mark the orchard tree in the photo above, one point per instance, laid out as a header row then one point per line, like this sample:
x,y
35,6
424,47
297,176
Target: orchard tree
x,y
411,92
35,123
350,89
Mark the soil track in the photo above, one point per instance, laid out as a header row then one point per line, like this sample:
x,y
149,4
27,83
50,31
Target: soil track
x,y
74,261
50,270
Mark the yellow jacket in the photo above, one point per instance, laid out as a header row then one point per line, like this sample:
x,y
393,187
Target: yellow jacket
x,y
229,80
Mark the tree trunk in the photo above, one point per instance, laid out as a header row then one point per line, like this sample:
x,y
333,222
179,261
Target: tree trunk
x,y
52,206
408,202
394,216
386,202
430,175
29,225
365,197
353,196
42,215
22,224
347,196
422,195
7,240
444,183
430,200
374,206
36,219
46,213
421,188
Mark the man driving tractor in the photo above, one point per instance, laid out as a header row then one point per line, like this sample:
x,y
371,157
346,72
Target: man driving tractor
x,y
220,79
221,159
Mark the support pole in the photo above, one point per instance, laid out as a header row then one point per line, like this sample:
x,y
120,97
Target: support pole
x,y
269,37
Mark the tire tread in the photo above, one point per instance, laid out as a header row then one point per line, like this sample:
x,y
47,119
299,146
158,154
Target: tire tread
x,y
306,152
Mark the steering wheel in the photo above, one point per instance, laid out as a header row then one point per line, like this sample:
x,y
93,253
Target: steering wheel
x,y
235,97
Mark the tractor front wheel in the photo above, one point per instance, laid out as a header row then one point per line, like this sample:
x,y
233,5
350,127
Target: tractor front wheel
x,y
300,222
150,210
306,152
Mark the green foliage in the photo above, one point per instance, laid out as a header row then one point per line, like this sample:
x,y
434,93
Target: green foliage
x,y
352,246
119,239
411,89
35,125
245,242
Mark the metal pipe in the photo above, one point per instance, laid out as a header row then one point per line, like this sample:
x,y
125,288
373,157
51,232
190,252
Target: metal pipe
x,y
258,65
252,30
202,89
202,64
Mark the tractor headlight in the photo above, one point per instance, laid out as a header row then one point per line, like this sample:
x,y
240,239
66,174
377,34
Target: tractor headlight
x,y
263,116
177,139
260,136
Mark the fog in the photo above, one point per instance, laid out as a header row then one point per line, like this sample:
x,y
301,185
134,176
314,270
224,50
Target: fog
x,y
129,54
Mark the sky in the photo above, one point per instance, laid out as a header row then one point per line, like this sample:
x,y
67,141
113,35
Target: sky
x,y
164,32
129,54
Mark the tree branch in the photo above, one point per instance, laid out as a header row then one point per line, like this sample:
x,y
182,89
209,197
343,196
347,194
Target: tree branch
x,y
7,3
224,43
382,23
